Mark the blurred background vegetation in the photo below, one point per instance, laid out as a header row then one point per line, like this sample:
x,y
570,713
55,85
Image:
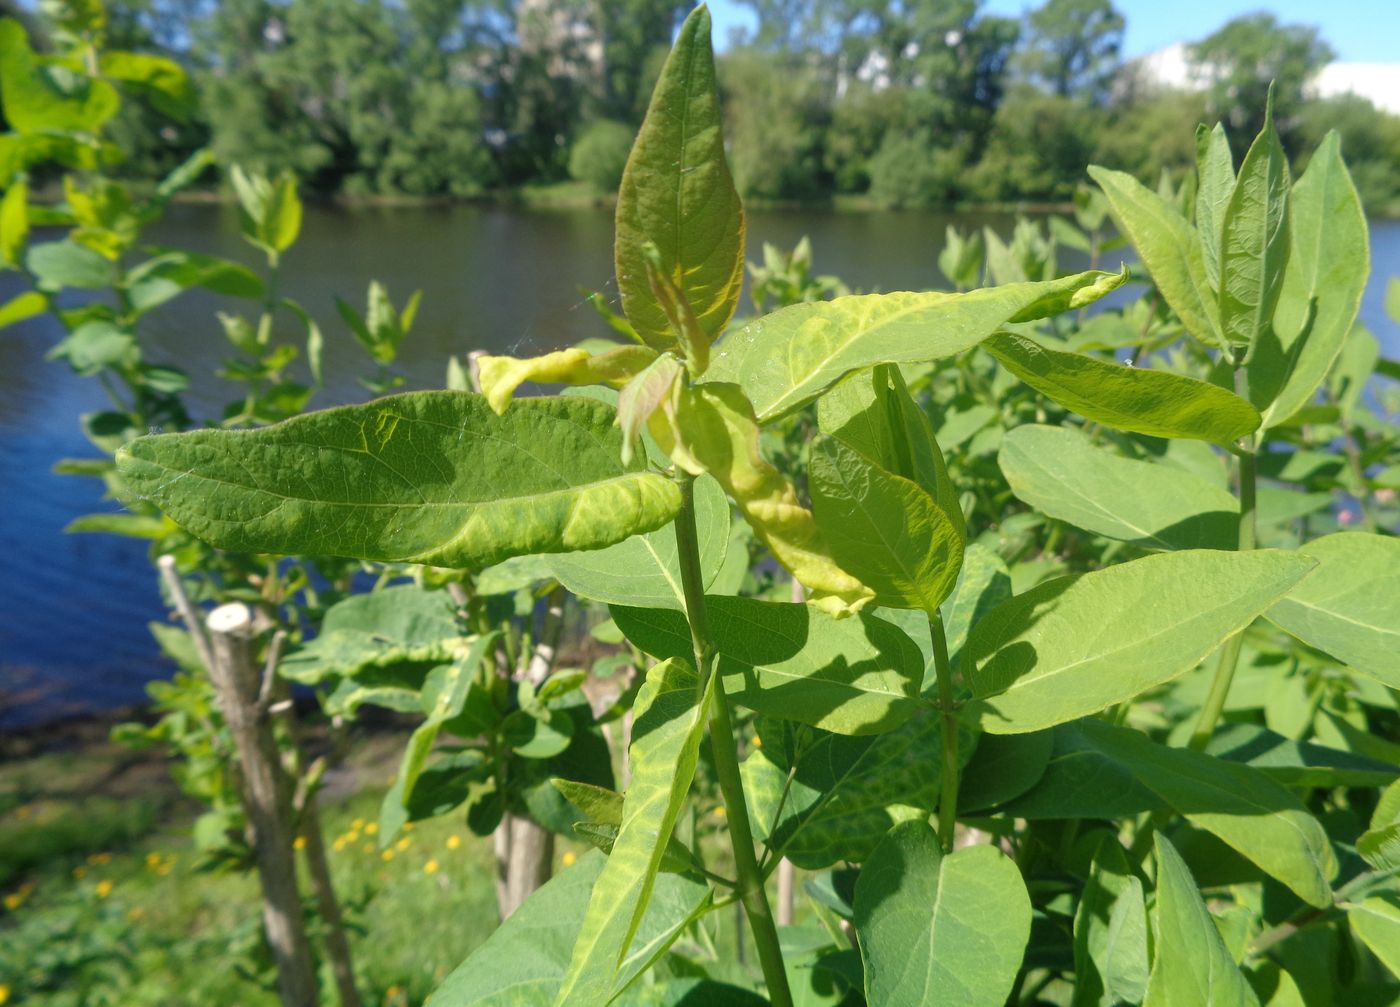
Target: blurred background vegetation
x,y
911,104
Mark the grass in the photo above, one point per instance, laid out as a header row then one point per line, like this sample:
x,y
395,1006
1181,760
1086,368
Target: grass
x,y
104,899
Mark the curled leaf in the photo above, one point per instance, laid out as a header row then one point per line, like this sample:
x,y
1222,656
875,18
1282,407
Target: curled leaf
x,y
501,376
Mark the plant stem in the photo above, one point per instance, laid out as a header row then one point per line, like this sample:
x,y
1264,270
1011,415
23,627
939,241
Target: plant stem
x,y
1245,463
948,803
750,889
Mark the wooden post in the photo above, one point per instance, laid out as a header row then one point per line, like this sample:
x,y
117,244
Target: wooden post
x,y
267,797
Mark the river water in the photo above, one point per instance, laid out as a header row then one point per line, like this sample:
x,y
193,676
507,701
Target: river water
x,y
74,608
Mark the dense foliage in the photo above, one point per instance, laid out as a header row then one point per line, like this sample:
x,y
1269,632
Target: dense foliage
x,y
1089,698
912,104
1062,681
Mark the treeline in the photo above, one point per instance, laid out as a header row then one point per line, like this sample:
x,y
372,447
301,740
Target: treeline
x,y
915,103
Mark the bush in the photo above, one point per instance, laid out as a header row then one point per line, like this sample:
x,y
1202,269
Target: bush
x,y
909,170
600,153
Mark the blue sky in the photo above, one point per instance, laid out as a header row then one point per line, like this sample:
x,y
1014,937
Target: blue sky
x,y
1363,31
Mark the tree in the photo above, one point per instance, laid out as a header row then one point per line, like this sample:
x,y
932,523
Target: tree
x,y
1241,60
1073,46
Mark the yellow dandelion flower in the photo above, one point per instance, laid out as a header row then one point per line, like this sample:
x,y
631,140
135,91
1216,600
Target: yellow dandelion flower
x,y
720,812
104,888
13,901
4,993
757,741
371,828
431,867
453,842
152,859
387,855
408,826
368,848
79,873
404,843
164,870
568,858
98,859
357,824
299,843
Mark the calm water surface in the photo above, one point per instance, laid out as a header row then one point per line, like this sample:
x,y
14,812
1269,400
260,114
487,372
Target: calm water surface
x,y
74,608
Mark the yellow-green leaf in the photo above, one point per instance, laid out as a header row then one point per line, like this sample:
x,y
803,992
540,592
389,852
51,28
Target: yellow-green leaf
x,y
883,529
1329,262
940,929
1145,401
428,477
784,360
1192,964
1350,607
501,376
1167,245
671,713
677,194
1075,645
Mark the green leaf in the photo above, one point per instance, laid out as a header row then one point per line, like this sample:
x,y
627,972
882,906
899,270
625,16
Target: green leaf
x,y
14,224
128,525
1078,644
642,396
1003,767
428,477
1379,845
949,930
23,307
1157,403
644,570
873,412
602,809
60,264
1259,818
671,713
845,792
884,530
43,96
983,583
1376,921
1110,932
1297,764
93,346
784,360
1063,474
523,962
677,194
1081,782
853,675
404,624
1167,246
1254,240
1215,169
1328,265
1192,964
157,280
1350,607
163,81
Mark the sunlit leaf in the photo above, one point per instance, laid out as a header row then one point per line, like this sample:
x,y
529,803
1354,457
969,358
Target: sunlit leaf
x,y
429,477
940,929
1077,644
785,360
